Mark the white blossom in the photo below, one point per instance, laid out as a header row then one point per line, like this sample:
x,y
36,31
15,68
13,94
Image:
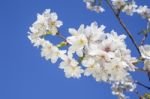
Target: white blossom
x,y
91,5
78,40
46,23
118,4
145,51
90,65
147,65
130,8
51,52
71,68
104,55
144,11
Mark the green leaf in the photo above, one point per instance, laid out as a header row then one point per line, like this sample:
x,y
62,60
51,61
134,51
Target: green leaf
x,y
49,32
61,44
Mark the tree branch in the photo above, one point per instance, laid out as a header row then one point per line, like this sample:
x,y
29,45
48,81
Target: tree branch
x,y
123,25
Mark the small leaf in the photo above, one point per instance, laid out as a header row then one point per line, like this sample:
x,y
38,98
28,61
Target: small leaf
x,y
49,32
61,44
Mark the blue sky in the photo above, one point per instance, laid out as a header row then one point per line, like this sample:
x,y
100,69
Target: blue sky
x,y
25,75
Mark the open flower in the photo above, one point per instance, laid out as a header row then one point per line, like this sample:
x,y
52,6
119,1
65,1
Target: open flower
x,y
118,4
144,11
130,8
147,65
71,68
46,23
78,40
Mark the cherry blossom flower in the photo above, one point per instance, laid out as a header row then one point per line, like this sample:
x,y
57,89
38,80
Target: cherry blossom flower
x,y
145,51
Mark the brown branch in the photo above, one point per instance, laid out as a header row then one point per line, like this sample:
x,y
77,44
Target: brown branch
x,y
143,39
123,25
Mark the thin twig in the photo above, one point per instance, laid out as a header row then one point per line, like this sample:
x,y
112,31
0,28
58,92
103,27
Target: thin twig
x,y
145,86
123,25
61,36
145,35
143,39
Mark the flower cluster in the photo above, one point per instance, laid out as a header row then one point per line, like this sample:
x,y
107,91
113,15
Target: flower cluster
x,y
127,6
144,11
102,55
45,24
105,56
130,7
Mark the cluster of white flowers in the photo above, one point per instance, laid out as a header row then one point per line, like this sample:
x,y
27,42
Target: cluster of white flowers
x,y
144,11
127,6
45,24
105,56
130,8
71,68
102,55
91,5
119,4
145,51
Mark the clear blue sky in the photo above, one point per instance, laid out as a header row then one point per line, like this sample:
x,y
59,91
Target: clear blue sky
x,y
25,75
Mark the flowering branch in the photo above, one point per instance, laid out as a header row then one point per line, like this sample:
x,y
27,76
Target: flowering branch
x,y
102,55
123,25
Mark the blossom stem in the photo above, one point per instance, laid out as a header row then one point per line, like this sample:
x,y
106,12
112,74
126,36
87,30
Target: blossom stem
x,y
143,40
61,36
123,25
145,35
140,59
145,86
